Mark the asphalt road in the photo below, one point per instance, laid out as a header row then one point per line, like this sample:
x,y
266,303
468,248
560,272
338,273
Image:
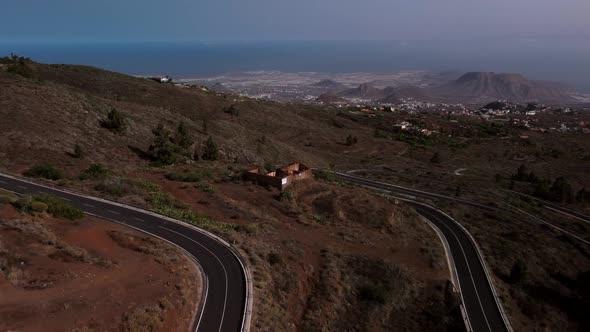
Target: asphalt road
x,y
225,300
476,289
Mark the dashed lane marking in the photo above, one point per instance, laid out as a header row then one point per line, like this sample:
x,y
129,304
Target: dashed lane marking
x,y
111,211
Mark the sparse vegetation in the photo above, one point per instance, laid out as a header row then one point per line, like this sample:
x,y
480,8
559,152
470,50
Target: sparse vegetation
x,y
78,151
189,176
18,65
52,204
45,171
285,196
435,159
205,187
115,121
95,172
7,198
146,318
351,140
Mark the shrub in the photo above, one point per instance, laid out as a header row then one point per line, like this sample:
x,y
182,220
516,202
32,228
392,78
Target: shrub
x,y
113,187
45,171
435,158
285,196
518,271
7,198
351,140
274,259
205,187
55,206
324,175
39,207
373,292
78,152
95,172
115,121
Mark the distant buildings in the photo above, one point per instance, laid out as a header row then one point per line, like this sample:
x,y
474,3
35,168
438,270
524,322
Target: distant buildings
x,y
162,79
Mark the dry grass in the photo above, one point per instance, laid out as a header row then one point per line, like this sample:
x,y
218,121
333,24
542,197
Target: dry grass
x,y
148,318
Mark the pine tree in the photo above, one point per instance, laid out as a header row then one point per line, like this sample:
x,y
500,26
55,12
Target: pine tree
x,y
182,137
211,151
161,151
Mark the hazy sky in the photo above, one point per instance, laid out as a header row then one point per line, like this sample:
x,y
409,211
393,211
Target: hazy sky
x,y
207,20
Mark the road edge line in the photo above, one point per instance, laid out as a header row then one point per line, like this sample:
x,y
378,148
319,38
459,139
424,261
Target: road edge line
x,y
247,316
486,270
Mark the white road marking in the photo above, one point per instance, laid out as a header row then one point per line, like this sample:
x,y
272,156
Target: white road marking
x,y
66,199
220,263
22,187
111,211
138,219
88,205
3,182
204,302
468,268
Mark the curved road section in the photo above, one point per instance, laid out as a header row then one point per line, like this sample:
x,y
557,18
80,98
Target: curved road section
x,y
226,290
479,299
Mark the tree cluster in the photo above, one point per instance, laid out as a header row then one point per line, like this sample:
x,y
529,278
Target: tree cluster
x,y
169,148
559,190
351,140
18,65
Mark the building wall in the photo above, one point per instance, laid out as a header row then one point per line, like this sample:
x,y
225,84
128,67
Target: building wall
x,y
282,178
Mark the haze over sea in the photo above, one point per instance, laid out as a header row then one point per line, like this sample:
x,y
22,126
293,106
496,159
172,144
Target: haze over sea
x,y
566,59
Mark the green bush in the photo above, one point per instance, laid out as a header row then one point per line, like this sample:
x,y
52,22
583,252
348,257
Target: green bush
x,y
112,187
205,187
285,196
55,206
95,172
324,175
45,171
115,121
39,207
7,198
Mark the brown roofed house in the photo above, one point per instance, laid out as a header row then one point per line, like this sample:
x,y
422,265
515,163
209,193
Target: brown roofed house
x,y
280,178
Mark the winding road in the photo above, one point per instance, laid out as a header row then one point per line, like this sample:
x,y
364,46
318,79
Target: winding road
x,y
226,291
481,304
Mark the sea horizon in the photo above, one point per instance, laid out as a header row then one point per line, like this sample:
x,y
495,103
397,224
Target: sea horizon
x,y
566,61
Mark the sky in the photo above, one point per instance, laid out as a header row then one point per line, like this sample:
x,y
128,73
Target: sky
x,y
59,21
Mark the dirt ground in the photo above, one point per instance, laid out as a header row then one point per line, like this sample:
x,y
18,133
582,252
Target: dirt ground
x,y
90,275
313,255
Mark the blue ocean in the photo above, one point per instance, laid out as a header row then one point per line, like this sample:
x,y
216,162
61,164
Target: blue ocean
x,y
565,60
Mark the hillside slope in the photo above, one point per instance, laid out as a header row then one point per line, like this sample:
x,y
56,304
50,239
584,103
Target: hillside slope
x,y
62,105
504,86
